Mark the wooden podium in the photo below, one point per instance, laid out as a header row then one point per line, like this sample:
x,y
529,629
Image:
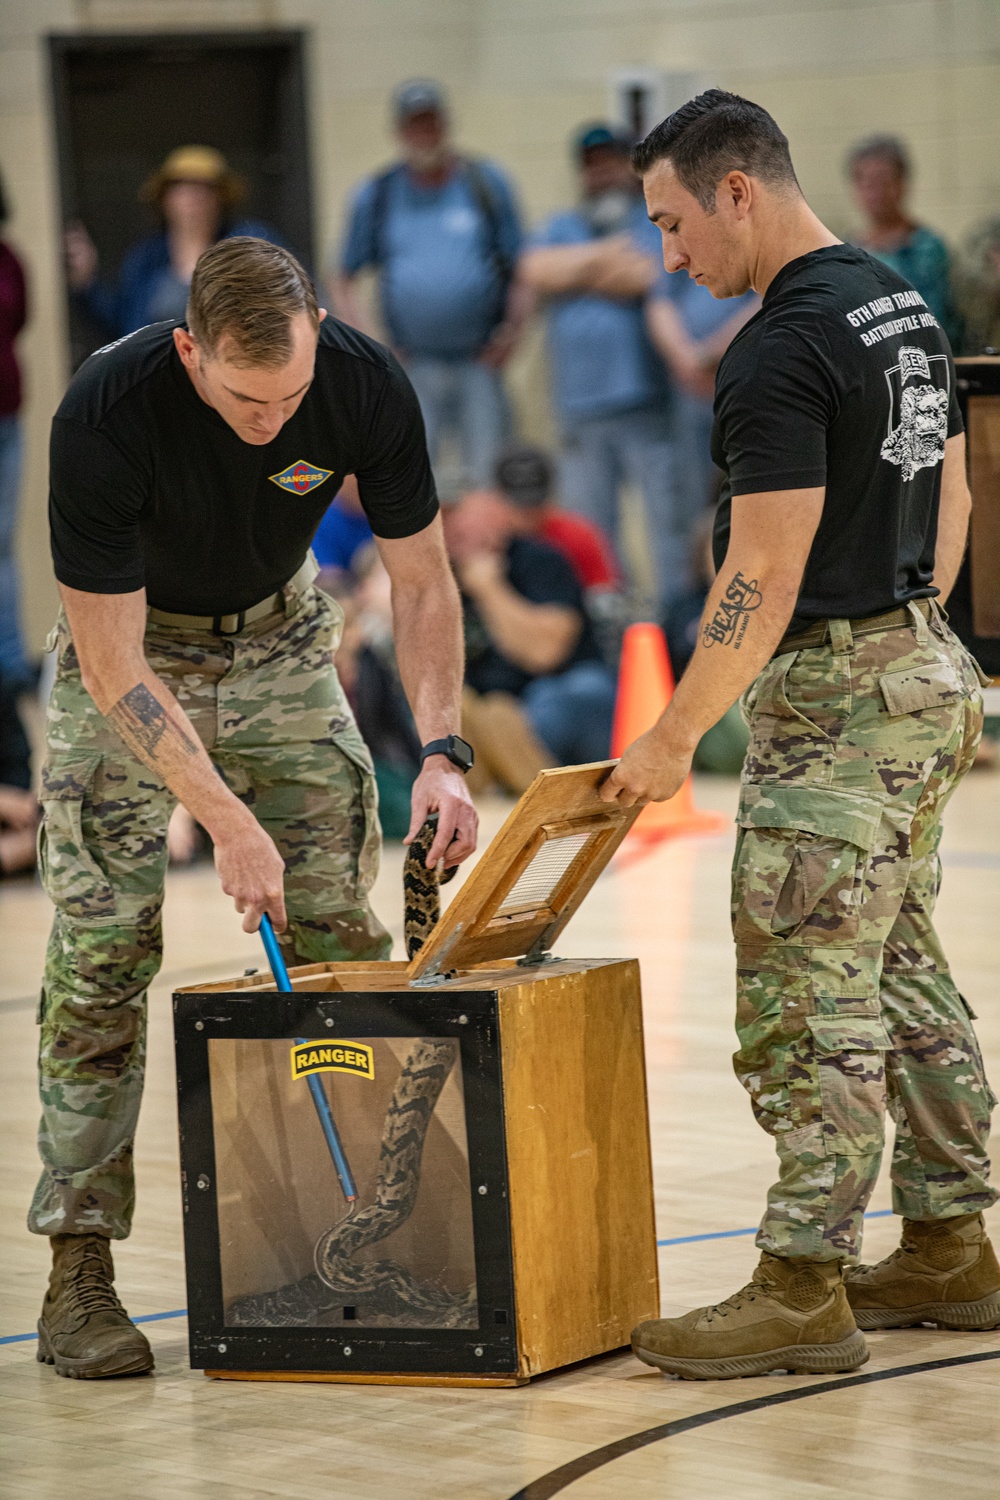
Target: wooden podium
x,y
974,605
433,1173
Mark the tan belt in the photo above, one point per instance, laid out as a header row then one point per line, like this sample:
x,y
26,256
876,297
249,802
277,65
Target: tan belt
x,y
819,634
233,624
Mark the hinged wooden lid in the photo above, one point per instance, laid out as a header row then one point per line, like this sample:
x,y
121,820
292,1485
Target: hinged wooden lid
x,y
534,874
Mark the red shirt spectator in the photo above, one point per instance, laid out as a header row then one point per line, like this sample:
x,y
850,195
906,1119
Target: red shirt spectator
x,y
524,476
584,546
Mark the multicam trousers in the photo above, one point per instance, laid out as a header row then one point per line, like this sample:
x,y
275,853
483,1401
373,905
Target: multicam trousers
x,y
844,998
269,709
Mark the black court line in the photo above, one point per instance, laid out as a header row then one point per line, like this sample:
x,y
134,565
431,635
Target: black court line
x,y
559,1479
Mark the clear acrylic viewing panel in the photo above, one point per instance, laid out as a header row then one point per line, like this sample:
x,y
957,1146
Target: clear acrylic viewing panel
x,y
294,1252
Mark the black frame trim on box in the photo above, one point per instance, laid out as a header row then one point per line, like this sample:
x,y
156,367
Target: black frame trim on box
x,y
472,1017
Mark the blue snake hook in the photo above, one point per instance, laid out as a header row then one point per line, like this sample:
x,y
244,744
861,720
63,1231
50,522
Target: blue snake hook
x,y
320,1102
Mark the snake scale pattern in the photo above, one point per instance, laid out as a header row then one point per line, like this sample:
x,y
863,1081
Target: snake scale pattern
x,y
382,1292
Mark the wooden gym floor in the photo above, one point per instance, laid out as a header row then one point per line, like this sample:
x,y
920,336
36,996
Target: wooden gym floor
x,y
609,1429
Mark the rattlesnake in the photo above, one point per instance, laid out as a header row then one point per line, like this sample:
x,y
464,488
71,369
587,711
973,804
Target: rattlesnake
x,y
382,1292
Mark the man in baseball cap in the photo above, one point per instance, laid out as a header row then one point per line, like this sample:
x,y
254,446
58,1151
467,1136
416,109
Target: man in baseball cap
x,y
443,232
416,97
525,477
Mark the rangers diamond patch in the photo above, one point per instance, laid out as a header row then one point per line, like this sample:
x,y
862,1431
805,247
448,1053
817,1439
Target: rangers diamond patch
x,y
300,477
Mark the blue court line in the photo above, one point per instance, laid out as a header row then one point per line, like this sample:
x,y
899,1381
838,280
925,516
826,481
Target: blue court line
x,y
731,1234
684,1239
24,1338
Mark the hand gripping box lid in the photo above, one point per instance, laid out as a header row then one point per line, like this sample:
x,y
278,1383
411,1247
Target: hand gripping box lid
x,y
489,1105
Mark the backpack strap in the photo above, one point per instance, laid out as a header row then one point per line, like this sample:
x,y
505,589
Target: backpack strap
x,y
488,207
380,212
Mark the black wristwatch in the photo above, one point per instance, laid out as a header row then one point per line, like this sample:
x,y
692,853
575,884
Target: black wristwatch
x,y
457,750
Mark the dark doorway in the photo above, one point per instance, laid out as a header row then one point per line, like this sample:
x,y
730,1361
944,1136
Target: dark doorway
x,y
122,103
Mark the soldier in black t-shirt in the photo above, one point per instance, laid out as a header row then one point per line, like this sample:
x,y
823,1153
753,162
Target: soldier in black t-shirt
x,y
840,531
190,467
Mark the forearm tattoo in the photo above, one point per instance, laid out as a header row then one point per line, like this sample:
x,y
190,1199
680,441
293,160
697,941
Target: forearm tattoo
x,y
728,625
143,722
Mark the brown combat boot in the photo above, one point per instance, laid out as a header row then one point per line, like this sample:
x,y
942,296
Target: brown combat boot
x,y
944,1272
84,1330
792,1316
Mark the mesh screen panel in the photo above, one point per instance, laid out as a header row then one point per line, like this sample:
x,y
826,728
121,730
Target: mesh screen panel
x,y
537,883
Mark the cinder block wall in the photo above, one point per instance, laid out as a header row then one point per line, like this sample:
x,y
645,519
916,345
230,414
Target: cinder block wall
x,y
523,74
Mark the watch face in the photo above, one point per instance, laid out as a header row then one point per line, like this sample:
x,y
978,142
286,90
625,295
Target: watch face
x,y
461,752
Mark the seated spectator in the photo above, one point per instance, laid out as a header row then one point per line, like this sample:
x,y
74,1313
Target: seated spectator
x,y
979,288
342,534
880,174
527,631
195,194
525,476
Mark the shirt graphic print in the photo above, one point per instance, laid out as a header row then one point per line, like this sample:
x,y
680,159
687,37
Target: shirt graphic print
x,y
918,412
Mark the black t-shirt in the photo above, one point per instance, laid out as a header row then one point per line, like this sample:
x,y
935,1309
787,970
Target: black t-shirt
x,y
539,573
149,486
843,379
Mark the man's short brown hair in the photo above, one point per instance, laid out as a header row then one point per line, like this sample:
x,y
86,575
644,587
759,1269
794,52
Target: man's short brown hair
x,y
714,134
248,290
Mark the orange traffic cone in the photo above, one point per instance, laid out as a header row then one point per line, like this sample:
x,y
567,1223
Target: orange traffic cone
x,y
645,687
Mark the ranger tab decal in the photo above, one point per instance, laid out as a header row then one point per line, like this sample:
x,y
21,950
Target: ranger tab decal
x,y
300,477
332,1057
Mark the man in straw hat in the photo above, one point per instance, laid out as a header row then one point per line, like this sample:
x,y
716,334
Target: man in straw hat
x,y
195,193
190,466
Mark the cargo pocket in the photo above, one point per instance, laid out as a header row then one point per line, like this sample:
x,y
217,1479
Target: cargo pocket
x,y
800,864
850,1059
972,1041
915,688
72,877
349,742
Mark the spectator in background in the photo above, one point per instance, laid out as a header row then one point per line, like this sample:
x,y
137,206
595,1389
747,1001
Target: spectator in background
x,y
691,331
195,195
15,672
525,477
880,173
979,288
442,231
596,266
527,631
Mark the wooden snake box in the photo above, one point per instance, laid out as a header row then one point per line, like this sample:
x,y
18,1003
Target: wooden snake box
x,y
434,1172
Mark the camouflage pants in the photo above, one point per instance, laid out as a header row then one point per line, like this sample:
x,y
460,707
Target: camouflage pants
x,y
845,1002
269,709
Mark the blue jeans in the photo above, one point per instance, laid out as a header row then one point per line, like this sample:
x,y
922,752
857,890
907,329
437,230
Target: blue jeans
x,y
13,663
599,454
466,400
571,713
